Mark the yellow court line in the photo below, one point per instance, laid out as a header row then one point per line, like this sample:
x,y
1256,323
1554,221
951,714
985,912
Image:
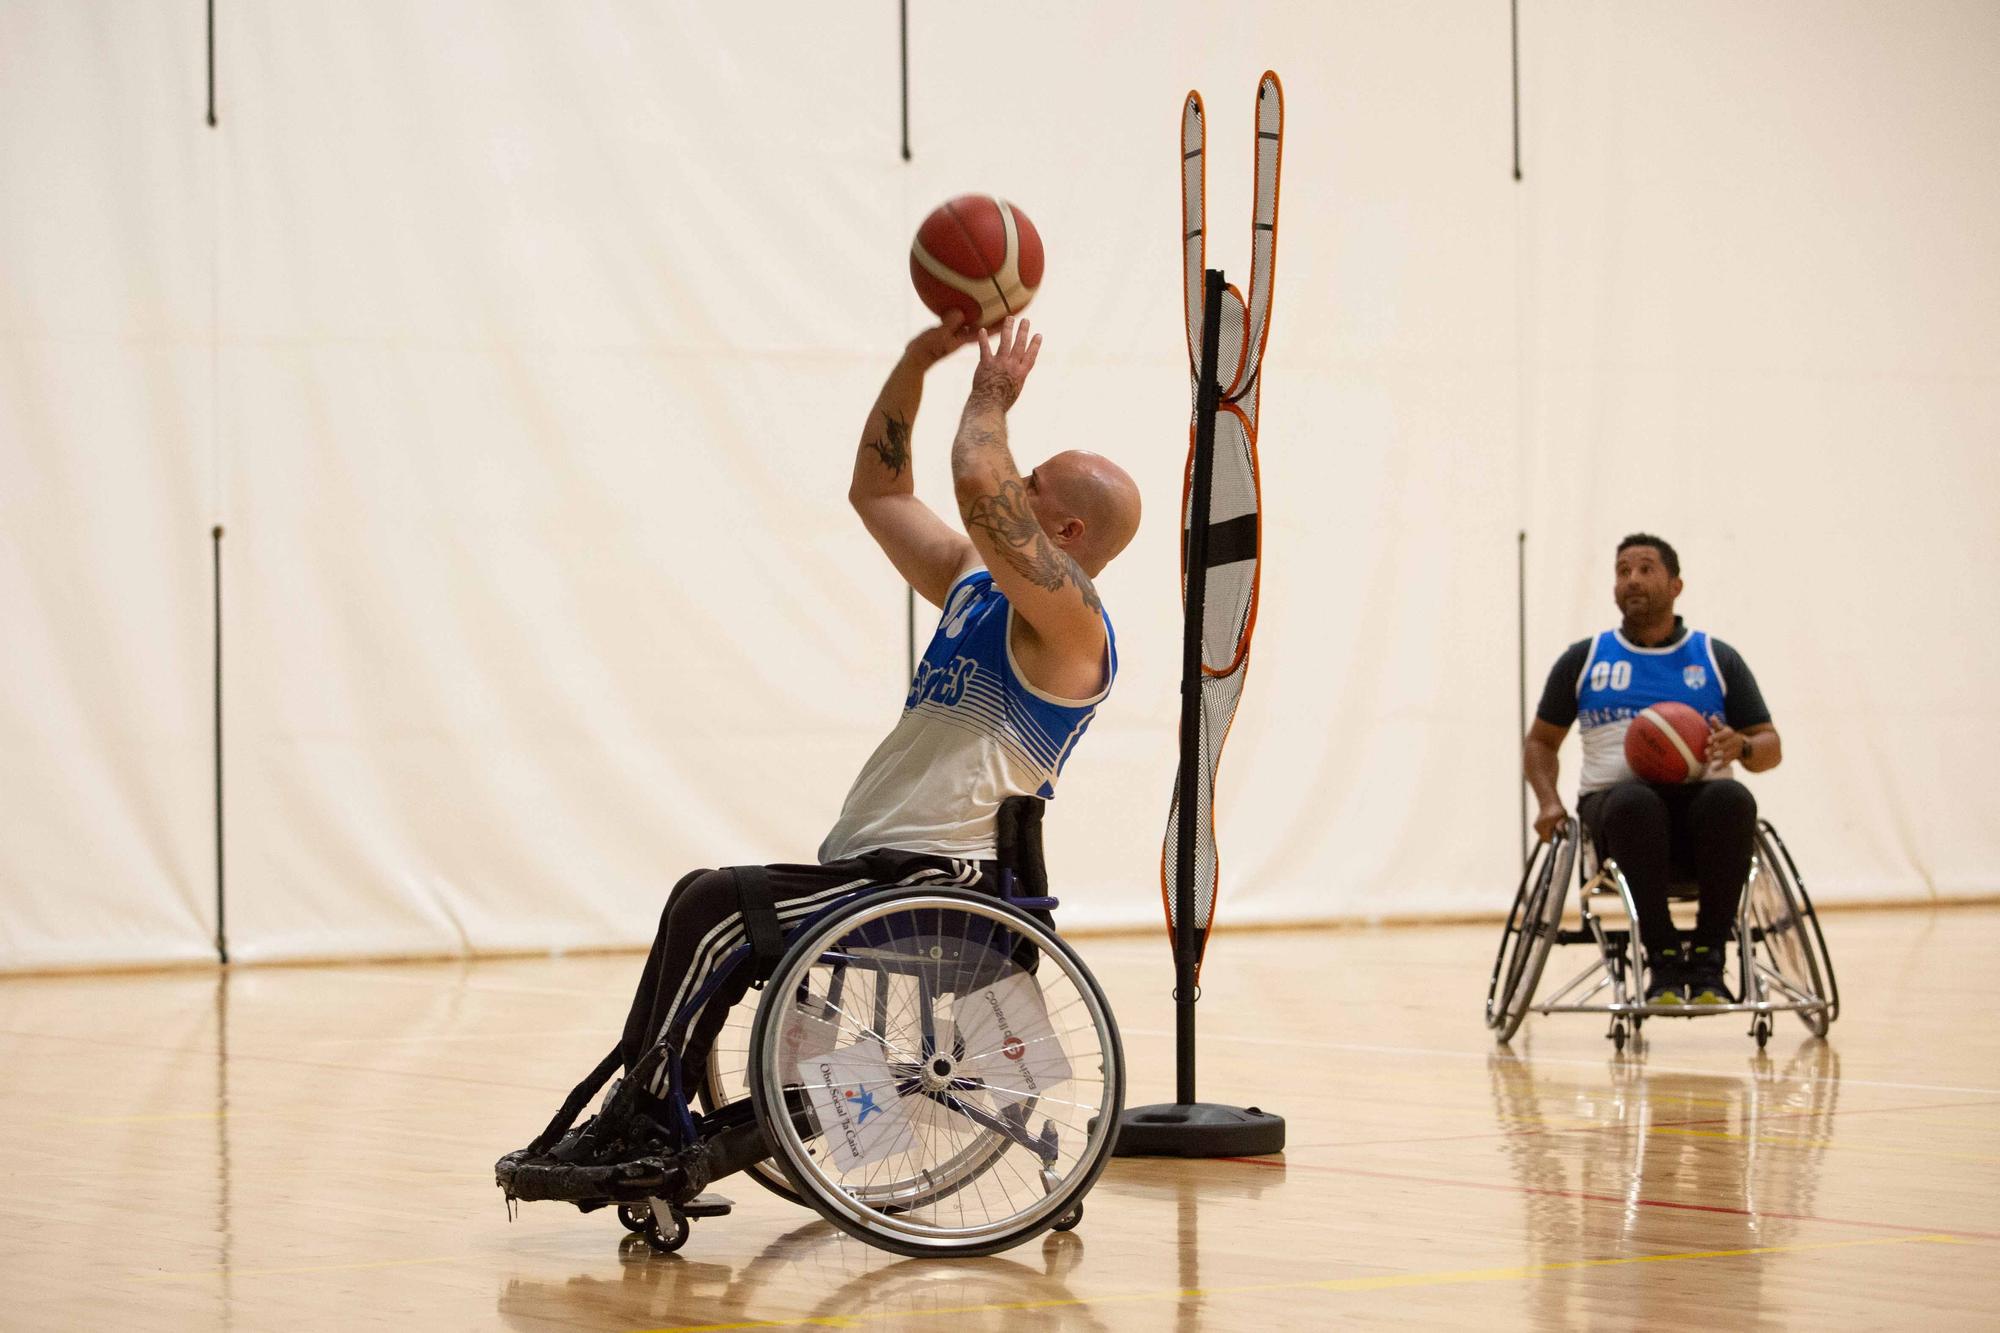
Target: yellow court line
x,y
1381,1283
1798,1141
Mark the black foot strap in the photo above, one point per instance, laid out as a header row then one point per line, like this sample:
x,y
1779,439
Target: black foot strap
x,y
579,1097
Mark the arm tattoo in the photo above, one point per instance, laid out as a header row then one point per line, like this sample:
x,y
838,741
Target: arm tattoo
x,y
1085,586
893,445
1006,517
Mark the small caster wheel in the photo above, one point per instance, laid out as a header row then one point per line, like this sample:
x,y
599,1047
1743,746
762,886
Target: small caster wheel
x,y
1761,1030
665,1240
1617,1035
635,1217
1068,1221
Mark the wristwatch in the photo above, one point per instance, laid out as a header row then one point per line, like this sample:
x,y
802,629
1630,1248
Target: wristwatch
x,y
1744,755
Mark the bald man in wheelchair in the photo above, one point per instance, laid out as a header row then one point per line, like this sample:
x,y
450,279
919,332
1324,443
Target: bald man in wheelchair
x,y
1022,656
1659,833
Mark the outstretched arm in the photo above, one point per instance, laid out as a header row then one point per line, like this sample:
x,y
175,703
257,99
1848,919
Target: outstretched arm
x,y
923,547
1047,588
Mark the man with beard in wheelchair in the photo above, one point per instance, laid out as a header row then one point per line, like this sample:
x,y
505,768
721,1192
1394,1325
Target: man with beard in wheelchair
x,y
1653,830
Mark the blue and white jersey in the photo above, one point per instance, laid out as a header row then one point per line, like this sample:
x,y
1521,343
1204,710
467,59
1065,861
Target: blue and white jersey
x,y
973,732
1619,678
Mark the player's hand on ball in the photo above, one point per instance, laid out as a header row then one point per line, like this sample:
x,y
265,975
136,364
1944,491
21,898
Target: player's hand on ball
x,y
934,345
1005,363
1725,745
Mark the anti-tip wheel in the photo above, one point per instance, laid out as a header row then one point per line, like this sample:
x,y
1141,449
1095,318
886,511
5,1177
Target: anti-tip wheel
x,y
667,1240
1068,1221
636,1218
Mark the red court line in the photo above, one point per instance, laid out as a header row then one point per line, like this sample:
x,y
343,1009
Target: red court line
x,y
1620,1200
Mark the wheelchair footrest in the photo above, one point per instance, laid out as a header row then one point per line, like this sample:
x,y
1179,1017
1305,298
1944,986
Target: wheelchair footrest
x,y
637,1181
707,1205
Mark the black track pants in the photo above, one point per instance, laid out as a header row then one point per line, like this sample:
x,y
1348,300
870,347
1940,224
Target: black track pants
x,y
702,925
1658,834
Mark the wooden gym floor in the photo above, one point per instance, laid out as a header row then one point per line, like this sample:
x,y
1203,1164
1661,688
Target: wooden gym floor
x,y
301,1148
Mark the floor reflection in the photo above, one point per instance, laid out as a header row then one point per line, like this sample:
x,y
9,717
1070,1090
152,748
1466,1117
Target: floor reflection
x,y
225,1231
854,1281
1188,1185
1692,1162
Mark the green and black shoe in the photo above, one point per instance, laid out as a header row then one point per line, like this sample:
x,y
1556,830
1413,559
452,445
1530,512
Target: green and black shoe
x,y
1705,972
1667,980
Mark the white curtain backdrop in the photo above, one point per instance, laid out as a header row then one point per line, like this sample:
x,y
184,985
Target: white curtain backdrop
x,y
520,349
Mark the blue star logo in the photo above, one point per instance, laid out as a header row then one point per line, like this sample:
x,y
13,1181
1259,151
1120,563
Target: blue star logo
x,y
864,1103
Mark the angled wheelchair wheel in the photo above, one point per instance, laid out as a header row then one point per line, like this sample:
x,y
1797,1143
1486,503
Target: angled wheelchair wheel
x,y
1531,931
1790,952
727,1079
961,1093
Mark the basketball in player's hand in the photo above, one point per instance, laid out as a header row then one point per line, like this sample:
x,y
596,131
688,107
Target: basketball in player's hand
x,y
979,255
1666,743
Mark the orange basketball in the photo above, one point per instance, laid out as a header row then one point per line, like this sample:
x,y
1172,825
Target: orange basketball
x,y
1667,743
977,254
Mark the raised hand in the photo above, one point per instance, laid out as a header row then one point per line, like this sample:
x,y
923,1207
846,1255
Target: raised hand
x,y
935,344
1005,363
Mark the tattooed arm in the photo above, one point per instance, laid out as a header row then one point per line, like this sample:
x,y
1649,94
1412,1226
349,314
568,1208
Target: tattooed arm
x,y
923,547
1049,590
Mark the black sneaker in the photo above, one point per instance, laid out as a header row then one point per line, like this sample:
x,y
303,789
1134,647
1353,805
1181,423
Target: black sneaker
x,y
620,1132
1666,982
1705,984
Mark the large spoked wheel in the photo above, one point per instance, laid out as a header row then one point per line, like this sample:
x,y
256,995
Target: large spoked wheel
x,y
1531,931
727,1079
960,1093
1791,954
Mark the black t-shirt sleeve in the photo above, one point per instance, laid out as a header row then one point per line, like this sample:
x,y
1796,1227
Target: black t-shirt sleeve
x,y
1558,705
1743,704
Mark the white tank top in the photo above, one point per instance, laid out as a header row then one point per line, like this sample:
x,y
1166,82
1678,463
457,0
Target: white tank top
x,y
973,732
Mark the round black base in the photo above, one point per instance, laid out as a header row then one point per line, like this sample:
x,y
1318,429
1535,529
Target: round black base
x,y
1198,1129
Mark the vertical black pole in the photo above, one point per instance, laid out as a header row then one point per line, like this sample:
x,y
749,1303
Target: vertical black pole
x,y
1514,37
1521,537
1194,579
1521,670
903,29
221,931
211,64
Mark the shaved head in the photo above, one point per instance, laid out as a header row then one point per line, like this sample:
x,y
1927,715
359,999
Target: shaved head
x,y
1087,504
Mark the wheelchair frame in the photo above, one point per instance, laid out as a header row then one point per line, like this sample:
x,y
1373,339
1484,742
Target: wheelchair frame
x,y
769,1130
1782,961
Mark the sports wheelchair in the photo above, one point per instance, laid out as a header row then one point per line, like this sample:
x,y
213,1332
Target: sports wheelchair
x,y
1781,958
888,1072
